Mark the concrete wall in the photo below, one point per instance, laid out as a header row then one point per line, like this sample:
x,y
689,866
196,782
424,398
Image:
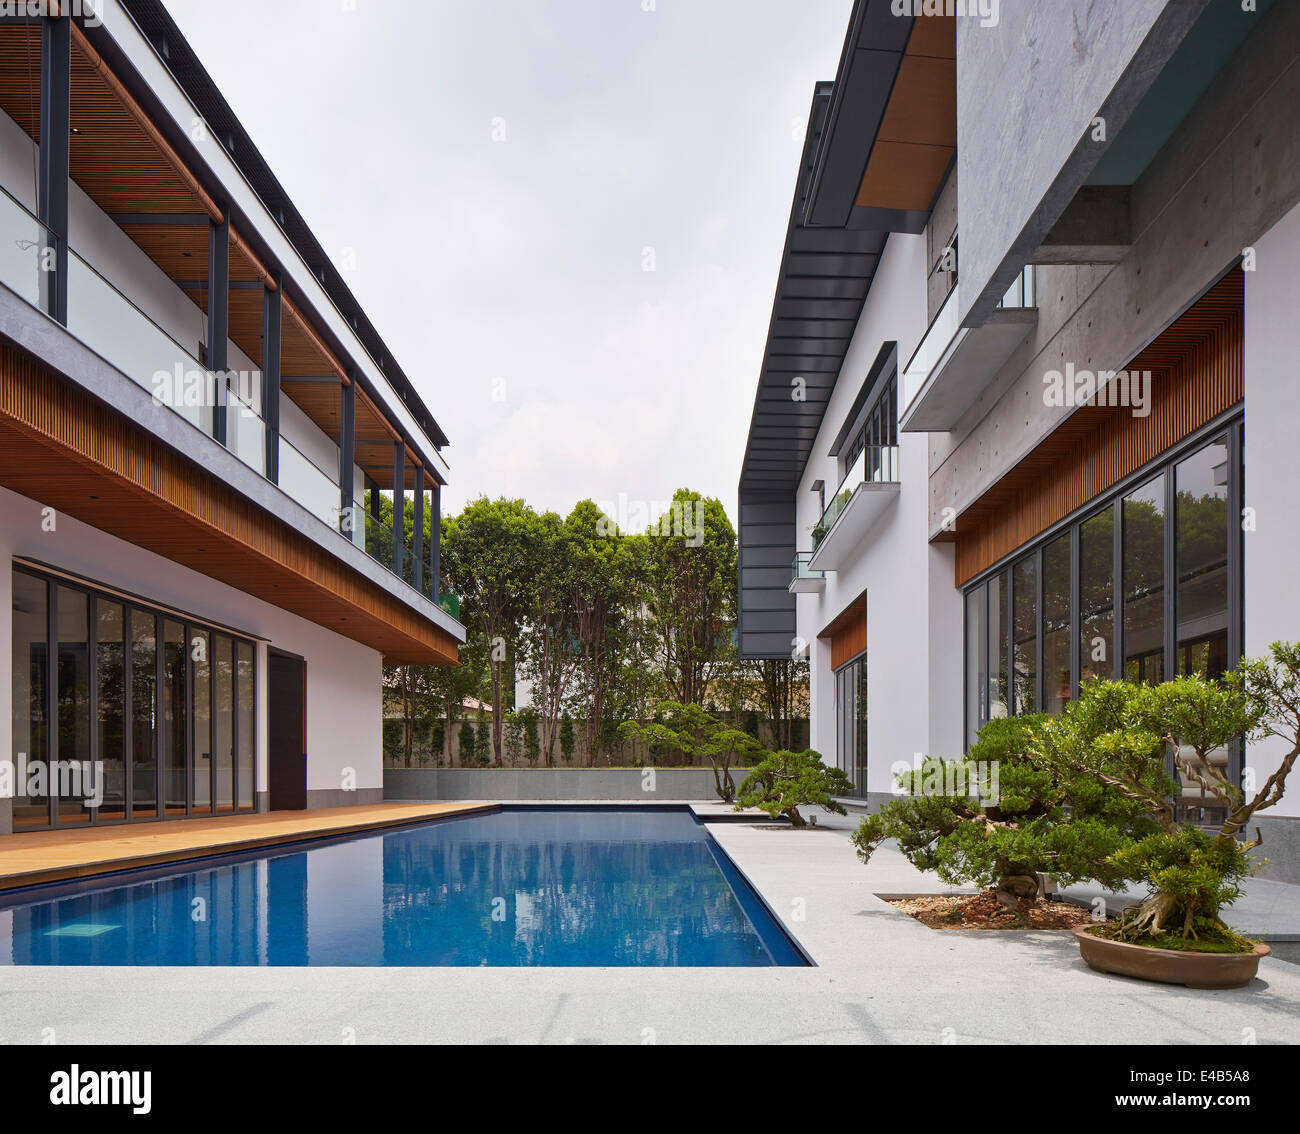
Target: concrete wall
x,y
643,784
1229,172
344,742
1022,125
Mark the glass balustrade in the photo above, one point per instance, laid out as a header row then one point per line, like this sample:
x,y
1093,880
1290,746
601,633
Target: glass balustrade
x,y
876,464
26,252
121,333
303,480
801,570
245,432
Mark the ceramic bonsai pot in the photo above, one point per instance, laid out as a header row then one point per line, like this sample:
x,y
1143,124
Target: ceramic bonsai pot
x,y
1170,966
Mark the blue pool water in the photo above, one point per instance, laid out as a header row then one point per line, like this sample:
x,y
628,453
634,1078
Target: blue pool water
x,y
521,886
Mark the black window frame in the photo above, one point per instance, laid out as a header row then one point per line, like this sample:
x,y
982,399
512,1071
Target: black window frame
x,y
1228,429
52,581
853,670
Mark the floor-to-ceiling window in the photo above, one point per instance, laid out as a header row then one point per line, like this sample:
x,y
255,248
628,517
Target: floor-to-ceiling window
x,y
76,799
1143,512
1024,635
851,721
1172,536
31,701
110,706
1202,556
1058,681
138,714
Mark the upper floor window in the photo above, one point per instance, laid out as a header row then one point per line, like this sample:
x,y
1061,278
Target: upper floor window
x,y
879,429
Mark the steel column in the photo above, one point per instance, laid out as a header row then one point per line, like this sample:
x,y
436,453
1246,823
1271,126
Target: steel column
x,y
219,316
417,533
271,313
399,505
347,455
52,182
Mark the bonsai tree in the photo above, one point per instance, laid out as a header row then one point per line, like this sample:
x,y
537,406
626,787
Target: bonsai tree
x,y
784,781
699,736
998,819
1193,873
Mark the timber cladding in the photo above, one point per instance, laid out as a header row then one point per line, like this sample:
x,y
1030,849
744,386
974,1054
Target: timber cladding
x,y
61,448
1197,368
848,633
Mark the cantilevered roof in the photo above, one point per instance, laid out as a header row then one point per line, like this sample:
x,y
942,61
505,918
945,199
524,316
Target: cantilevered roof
x,y
892,130
880,141
824,278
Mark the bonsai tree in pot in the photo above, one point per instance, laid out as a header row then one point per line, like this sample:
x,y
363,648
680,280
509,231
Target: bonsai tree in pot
x,y
1192,873
998,819
784,781
700,737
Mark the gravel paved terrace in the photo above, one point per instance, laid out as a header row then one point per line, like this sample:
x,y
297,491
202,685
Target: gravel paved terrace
x,y
881,977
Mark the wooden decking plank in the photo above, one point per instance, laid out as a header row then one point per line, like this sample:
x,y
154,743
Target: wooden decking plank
x,y
35,857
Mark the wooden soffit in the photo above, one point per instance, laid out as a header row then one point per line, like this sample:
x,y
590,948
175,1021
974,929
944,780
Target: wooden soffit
x,y
61,448
918,133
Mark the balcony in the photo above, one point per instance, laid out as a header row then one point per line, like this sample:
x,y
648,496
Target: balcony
x,y
953,365
867,491
123,335
803,579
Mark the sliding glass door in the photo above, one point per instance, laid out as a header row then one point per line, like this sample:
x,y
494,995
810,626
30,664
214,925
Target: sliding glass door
x,y
134,714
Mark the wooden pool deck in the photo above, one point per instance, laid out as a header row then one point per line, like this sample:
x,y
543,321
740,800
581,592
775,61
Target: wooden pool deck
x,y
34,857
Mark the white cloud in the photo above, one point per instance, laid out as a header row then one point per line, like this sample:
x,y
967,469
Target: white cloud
x,y
522,259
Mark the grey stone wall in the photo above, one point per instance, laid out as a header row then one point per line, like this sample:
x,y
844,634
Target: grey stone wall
x,y
614,784
1023,127
1281,846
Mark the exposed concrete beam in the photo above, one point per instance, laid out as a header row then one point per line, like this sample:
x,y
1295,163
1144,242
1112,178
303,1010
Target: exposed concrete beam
x,y
1095,228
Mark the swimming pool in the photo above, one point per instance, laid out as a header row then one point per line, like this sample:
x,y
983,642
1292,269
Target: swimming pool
x,y
519,886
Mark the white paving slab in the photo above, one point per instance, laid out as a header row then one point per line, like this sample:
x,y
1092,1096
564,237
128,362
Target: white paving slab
x,y
880,977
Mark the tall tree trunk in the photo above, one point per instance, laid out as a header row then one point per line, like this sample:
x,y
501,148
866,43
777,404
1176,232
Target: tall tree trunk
x,y
498,716
406,713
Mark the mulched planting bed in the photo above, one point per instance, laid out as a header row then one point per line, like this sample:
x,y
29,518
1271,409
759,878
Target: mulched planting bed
x,y
778,826
982,911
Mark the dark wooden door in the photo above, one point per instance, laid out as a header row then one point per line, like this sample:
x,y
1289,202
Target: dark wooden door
x,y
287,704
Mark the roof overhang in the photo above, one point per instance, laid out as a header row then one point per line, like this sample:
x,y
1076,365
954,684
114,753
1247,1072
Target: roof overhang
x,y
892,122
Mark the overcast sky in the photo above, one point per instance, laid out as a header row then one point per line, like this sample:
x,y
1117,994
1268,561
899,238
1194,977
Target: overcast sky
x,y
507,274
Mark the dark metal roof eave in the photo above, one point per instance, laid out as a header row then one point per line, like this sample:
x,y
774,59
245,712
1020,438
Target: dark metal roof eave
x,y
156,24
867,32
831,258
820,94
